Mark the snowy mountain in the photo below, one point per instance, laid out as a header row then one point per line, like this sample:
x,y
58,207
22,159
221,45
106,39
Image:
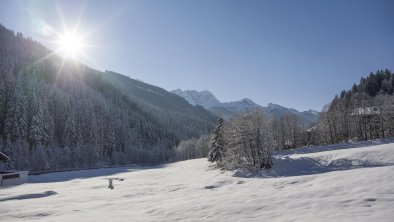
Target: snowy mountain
x,y
306,117
207,100
203,98
342,182
228,109
240,106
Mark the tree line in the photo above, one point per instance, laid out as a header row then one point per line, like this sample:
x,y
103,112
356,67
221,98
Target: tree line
x,y
362,113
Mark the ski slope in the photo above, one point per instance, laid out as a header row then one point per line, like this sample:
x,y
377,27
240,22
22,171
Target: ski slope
x,y
345,182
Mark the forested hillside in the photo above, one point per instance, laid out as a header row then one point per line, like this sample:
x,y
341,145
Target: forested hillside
x,y
364,112
185,120
59,114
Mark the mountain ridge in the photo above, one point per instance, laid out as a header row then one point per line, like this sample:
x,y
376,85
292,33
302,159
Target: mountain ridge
x,y
229,109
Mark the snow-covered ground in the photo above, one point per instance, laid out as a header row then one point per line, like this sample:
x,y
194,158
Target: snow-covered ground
x,y
348,182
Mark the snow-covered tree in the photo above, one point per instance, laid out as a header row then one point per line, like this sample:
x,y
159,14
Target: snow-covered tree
x,y
216,144
249,141
15,123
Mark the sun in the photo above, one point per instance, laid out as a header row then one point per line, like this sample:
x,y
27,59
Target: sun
x,y
70,45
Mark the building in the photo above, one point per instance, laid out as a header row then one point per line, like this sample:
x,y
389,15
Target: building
x,y
10,177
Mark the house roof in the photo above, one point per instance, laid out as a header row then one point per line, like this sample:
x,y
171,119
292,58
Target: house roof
x,y
3,157
368,111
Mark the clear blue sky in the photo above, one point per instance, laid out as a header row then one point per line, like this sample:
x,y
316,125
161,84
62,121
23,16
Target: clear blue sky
x,y
294,53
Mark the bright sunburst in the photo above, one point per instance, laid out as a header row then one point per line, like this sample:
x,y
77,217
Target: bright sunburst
x,y
70,45
68,42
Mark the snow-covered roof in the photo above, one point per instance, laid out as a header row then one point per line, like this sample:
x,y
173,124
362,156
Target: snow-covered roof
x,y
365,111
3,157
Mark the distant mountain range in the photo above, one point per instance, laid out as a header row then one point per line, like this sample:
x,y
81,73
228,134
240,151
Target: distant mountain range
x,y
228,109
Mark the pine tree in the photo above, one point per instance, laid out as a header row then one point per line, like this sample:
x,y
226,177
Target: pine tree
x,y
70,135
15,124
35,134
216,145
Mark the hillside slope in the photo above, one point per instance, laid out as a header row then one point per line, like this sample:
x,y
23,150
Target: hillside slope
x,y
342,182
172,110
52,107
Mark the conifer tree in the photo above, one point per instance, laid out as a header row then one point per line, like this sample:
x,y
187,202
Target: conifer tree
x,y
216,145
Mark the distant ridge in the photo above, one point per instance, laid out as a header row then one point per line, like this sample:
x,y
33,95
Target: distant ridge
x,y
207,100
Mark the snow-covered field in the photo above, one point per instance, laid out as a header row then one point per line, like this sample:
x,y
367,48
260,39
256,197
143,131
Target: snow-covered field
x,y
348,182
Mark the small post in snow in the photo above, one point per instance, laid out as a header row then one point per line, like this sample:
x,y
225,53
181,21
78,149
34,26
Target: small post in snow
x,y
110,185
111,181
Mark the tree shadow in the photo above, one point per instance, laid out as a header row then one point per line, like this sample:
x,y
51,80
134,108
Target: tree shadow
x,y
339,146
30,196
289,167
308,166
87,173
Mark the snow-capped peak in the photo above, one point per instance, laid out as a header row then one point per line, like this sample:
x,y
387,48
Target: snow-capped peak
x,y
241,105
228,109
203,98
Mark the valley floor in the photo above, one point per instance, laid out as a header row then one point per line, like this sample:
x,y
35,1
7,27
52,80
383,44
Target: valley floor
x,y
332,183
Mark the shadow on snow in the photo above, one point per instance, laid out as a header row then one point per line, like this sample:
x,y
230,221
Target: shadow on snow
x,y
88,173
306,166
339,146
285,166
29,196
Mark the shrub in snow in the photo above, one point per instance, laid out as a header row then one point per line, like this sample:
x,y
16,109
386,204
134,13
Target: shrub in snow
x,y
244,142
249,141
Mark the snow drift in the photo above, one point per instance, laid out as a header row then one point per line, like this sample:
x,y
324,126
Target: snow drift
x,y
332,183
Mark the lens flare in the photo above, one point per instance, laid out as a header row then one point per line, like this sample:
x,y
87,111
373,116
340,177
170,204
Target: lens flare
x,y
70,45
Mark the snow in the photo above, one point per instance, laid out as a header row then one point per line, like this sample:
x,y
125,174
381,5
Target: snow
x,y
149,90
331,183
240,106
203,98
365,111
228,109
207,100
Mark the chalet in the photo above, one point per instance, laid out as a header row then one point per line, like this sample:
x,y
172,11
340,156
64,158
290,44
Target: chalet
x,y
3,161
9,177
365,111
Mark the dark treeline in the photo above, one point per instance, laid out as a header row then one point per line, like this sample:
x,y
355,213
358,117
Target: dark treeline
x,y
58,114
362,113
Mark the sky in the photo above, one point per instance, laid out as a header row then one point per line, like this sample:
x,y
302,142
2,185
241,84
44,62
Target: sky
x,y
297,54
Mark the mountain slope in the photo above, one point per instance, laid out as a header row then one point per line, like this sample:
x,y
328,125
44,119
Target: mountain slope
x,y
229,109
172,110
204,98
52,107
305,117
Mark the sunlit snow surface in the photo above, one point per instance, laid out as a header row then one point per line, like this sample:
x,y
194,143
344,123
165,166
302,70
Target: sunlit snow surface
x,y
349,182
